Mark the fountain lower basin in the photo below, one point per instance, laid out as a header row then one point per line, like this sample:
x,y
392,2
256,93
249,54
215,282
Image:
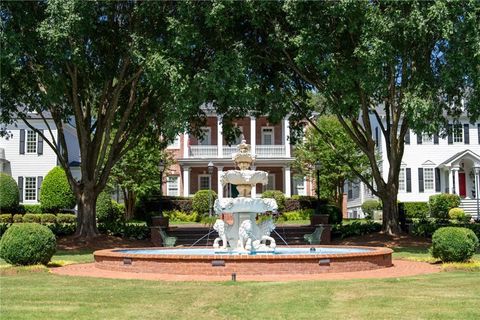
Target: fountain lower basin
x,y
208,261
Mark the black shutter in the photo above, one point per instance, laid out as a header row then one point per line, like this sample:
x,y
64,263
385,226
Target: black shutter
x,y
39,184
435,138
40,144
419,138
376,137
450,134
20,189
408,173
420,180
478,128
407,137
437,180
466,133
22,141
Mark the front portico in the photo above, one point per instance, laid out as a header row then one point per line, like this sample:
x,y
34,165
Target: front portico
x,y
462,172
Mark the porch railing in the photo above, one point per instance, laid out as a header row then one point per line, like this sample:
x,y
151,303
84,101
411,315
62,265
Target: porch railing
x,y
261,151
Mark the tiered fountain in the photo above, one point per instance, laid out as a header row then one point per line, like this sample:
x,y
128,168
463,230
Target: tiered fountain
x,y
246,247
239,230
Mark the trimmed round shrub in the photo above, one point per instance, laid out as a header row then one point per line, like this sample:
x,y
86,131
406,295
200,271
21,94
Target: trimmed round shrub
x,y
202,200
456,214
107,209
55,192
17,218
453,244
440,204
27,244
278,196
369,206
9,196
6,218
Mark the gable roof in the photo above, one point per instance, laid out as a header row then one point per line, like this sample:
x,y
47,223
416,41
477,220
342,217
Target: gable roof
x,y
459,156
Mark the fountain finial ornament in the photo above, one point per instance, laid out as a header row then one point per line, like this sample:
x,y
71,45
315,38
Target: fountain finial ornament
x,y
243,158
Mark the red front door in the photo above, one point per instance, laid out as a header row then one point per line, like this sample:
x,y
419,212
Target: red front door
x,y
461,182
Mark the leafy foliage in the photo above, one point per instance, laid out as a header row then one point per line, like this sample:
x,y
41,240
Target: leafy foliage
x,y
56,193
27,244
451,244
440,204
107,209
356,228
32,217
278,196
334,213
203,200
32,208
457,214
335,170
296,215
9,197
416,209
181,216
6,218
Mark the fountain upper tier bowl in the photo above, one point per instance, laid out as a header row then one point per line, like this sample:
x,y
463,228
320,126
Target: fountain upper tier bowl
x,y
241,204
250,177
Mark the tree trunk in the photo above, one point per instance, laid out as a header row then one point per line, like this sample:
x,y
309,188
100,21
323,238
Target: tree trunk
x,y
129,204
390,224
86,217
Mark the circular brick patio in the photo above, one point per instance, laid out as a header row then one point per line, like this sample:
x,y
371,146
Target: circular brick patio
x,y
400,268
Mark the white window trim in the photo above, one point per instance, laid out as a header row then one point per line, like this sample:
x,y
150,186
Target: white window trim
x,y
265,186
273,135
427,142
25,190
175,144
461,133
169,184
433,179
209,181
304,186
404,189
208,135
26,142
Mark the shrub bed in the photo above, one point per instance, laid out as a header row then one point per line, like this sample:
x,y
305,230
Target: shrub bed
x,y
27,244
440,204
6,218
296,215
32,217
181,216
453,244
278,196
356,228
125,230
416,209
9,196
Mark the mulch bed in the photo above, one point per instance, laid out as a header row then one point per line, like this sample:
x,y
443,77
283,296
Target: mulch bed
x,y
100,242
384,240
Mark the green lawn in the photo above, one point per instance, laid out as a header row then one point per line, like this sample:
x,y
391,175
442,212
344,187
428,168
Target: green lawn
x,y
447,295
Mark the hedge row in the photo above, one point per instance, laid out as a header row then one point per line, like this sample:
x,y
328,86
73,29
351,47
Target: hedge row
x,y
38,218
427,226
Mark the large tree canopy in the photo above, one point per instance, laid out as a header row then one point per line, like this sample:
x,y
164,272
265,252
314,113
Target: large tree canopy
x,y
114,70
404,64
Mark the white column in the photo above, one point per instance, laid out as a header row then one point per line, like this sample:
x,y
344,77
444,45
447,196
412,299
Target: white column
x,y
219,137
457,183
186,181
253,134
286,136
450,181
219,183
287,181
185,145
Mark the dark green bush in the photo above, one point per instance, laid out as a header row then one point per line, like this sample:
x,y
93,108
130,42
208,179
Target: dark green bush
x,y
32,217
3,227
278,196
6,218
48,218
453,244
66,218
32,208
17,218
107,209
356,228
27,244
202,200
416,209
125,230
369,206
9,196
297,202
55,193
334,213
440,204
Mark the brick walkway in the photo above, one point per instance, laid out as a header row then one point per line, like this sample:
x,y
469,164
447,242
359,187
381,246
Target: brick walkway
x,y
401,268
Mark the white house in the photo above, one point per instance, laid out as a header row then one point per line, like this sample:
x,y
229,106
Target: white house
x,y
27,158
431,164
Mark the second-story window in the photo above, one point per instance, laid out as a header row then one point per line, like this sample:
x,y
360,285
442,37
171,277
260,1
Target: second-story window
x,y
457,133
206,138
267,136
427,138
31,142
